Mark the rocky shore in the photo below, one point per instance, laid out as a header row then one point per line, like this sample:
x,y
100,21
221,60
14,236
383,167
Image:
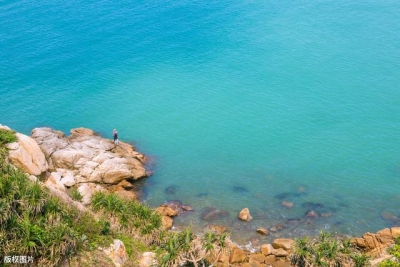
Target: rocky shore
x,y
90,163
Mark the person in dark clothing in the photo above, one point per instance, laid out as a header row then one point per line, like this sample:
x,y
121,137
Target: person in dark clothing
x,y
115,134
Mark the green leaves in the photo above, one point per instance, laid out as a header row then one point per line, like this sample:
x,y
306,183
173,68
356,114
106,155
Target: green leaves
x,y
326,250
7,136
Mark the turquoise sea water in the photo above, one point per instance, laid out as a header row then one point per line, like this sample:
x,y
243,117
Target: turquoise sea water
x,y
239,103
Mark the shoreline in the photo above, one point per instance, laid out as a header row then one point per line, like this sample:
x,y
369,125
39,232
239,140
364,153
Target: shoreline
x,y
138,162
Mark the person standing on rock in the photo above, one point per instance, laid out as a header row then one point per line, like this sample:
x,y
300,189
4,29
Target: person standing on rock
x,y
115,134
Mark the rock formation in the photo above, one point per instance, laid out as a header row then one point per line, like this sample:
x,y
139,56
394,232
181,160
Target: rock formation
x,y
26,154
84,160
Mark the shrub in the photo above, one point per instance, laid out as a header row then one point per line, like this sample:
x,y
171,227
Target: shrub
x,y
326,250
7,136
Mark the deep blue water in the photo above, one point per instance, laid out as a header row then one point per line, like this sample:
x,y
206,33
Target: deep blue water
x,y
240,104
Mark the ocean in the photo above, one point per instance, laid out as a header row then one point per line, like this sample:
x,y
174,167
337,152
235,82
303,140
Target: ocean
x,y
237,103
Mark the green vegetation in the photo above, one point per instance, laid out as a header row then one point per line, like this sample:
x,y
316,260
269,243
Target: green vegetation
x,y
74,194
327,250
36,224
7,136
395,251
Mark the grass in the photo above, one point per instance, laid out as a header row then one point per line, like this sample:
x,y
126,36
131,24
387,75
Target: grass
x,y
395,251
327,250
7,136
74,194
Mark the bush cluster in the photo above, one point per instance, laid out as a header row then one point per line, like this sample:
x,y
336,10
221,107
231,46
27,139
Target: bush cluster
x,y
327,250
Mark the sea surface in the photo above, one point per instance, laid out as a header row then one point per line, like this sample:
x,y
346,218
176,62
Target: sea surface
x,y
237,103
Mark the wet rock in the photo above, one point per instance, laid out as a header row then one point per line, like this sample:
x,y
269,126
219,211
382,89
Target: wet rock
x,y
286,244
262,231
125,184
287,204
245,215
312,214
167,210
277,227
388,216
187,208
212,214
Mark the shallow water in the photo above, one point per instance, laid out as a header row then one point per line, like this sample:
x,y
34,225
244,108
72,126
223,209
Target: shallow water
x,y
242,104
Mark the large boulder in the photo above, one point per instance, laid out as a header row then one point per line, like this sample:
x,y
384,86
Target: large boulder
x,y
245,215
94,159
26,154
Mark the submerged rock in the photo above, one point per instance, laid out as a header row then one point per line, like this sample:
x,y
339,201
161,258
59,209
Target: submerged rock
x,y
171,190
240,189
262,231
212,214
287,204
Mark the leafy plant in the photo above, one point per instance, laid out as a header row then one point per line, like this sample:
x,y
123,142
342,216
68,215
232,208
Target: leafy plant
x,y
7,136
326,250
74,194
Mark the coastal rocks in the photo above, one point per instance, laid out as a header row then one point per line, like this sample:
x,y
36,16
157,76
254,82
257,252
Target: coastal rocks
x,y
209,214
26,154
54,180
237,256
245,215
166,210
68,180
262,231
374,243
267,249
286,244
117,253
93,158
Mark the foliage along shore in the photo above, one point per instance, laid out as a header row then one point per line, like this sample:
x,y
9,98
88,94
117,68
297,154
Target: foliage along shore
x,y
56,232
